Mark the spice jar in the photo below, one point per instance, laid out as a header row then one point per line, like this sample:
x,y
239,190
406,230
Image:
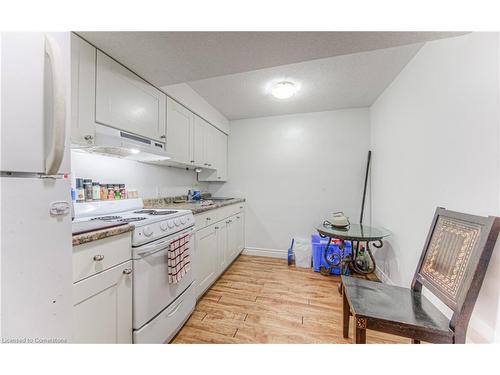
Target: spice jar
x,y
87,186
123,192
80,192
96,191
111,192
104,192
117,191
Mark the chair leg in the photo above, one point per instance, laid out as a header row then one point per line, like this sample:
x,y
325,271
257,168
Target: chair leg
x,y
346,312
360,330
415,341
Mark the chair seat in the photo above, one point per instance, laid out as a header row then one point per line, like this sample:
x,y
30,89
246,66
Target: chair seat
x,y
389,303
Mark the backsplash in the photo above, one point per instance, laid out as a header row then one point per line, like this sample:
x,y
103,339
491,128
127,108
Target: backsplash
x,y
150,180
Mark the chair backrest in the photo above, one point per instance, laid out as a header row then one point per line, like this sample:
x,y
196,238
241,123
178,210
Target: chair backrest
x,y
454,262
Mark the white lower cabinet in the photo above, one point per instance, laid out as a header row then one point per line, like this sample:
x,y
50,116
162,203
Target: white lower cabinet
x,y
102,307
217,246
222,246
206,259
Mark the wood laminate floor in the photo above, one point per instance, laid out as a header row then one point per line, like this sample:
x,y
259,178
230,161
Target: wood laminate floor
x,y
262,300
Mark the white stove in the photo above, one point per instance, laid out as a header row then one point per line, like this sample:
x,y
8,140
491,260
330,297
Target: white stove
x,y
149,224
159,307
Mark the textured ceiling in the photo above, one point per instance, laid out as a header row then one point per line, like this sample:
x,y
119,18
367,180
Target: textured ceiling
x,y
347,81
165,58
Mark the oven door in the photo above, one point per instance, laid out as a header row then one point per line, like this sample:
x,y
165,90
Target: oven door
x,y
152,291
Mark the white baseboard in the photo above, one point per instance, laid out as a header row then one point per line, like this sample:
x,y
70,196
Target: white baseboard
x,y
383,277
260,252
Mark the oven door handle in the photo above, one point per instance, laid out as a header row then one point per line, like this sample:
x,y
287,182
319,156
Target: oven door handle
x,y
150,249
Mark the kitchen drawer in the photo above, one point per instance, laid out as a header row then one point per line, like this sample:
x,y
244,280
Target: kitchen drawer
x,y
94,257
233,209
167,323
208,218
213,216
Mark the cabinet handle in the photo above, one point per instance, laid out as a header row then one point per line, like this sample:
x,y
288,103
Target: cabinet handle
x,y
237,217
127,271
192,161
98,258
88,138
163,136
208,219
216,227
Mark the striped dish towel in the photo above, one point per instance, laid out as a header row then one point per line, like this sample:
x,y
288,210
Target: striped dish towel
x,y
178,259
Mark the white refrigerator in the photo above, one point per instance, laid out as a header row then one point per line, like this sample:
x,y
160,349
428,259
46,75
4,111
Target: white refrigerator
x,y
35,247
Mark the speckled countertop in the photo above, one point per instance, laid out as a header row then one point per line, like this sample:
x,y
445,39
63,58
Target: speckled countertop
x,y
196,208
95,235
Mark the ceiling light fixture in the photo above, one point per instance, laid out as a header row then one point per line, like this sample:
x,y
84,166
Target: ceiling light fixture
x,y
284,89
134,151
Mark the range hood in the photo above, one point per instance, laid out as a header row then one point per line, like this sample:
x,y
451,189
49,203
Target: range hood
x,y
121,144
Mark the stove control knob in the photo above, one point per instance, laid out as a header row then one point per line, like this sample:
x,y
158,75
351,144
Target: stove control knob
x,y
183,220
170,223
147,231
177,222
163,225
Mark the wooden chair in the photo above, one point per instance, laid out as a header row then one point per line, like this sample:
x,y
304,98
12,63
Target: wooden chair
x,y
452,266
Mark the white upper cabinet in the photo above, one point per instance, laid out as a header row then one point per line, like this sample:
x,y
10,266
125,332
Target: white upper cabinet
x,y
204,138
216,144
180,129
83,59
127,102
221,155
199,141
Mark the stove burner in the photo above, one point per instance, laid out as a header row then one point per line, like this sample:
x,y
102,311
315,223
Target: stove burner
x,y
155,212
109,217
163,212
131,219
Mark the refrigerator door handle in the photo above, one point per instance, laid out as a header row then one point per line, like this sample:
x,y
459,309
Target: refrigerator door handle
x,y
57,144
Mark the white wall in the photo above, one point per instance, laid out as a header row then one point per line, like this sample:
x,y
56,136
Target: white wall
x,y
294,171
435,141
150,180
196,103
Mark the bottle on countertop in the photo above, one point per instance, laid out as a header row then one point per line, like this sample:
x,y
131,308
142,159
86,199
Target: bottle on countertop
x,y
87,186
123,192
104,192
111,191
117,191
96,191
80,192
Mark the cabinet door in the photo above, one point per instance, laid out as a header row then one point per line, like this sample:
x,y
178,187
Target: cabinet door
x,y
127,102
223,245
102,307
83,67
210,146
217,143
199,133
206,259
180,131
221,153
233,238
240,233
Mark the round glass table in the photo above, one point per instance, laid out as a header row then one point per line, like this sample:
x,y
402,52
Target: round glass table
x,y
361,238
